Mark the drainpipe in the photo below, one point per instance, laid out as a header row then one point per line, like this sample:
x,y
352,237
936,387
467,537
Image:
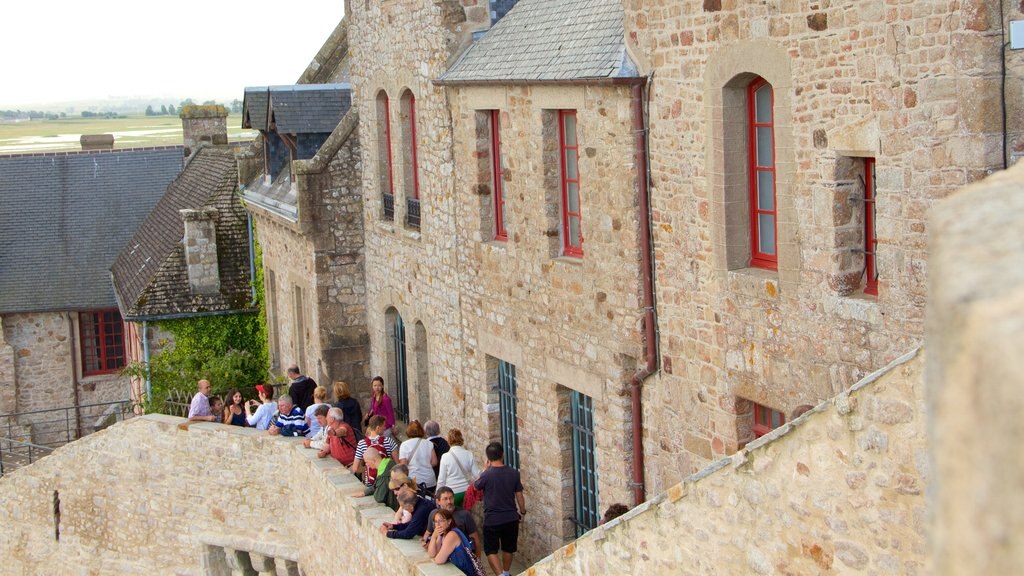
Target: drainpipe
x,y
145,360
74,378
647,270
252,256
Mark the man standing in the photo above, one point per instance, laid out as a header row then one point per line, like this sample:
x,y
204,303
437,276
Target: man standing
x,y
301,388
503,492
199,410
441,447
463,520
289,420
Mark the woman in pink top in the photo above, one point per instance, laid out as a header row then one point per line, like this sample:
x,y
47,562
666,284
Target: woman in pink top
x,y
380,405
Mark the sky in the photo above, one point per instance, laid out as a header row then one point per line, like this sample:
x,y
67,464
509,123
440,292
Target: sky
x,y
70,50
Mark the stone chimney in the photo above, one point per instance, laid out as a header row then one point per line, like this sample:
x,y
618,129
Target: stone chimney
x,y
97,141
199,124
201,250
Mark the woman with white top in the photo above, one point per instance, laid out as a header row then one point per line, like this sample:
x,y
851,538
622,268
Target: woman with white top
x,y
319,399
418,454
458,467
265,411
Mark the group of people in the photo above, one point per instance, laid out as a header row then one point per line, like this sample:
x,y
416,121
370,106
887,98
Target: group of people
x,y
431,482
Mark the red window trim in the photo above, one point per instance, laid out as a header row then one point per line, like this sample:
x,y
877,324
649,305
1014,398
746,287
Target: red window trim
x,y
763,419
870,237
568,249
500,233
387,136
757,258
101,337
412,126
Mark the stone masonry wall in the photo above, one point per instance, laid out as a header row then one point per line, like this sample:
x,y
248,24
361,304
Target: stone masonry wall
x,y
914,85
839,490
155,495
565,323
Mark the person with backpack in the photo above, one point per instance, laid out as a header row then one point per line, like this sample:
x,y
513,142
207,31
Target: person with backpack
x,y
374,437
341,439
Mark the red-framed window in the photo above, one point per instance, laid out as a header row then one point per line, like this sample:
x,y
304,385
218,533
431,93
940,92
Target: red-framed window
x,y
572,235
101,333
412,147
766,419
386,126
498,184
870,239
761,159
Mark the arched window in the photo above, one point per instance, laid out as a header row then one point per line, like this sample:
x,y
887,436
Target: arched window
x,y
410,163
761,167
385,173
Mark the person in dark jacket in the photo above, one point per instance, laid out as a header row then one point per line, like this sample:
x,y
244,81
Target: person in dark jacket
x,y
350,407
420,515
301,388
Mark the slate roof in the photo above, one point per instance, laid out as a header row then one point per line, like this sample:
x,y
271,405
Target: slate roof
x,y
297,109
547,41
65,216
150,275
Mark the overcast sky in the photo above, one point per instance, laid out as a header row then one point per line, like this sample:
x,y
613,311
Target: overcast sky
x,y
66,50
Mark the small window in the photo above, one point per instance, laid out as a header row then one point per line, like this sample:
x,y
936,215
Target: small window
x,y
572,236
761,163
508,409
384,162
410,161
102,336
497,177
584,456
870,239
766,419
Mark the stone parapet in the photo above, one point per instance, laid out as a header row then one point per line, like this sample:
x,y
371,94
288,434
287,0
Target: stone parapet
x,y
167,497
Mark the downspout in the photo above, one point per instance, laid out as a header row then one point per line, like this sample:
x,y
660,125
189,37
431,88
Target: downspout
x,y
74,377
145,360
252,255
647,270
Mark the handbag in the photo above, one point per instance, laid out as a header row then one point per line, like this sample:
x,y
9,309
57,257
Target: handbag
x,y
475,566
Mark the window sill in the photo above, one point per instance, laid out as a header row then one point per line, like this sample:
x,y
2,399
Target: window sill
x,y
573,260
411,234
754,282
385,226
859,306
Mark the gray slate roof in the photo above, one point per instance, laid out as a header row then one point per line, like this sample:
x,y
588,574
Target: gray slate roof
x,y
549,41
150,275
297,109
65,216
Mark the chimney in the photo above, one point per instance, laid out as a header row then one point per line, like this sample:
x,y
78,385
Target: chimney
x,y
206,123
97,141
200,243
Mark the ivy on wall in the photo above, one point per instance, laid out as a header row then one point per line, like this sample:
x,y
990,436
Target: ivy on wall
x,y
228,350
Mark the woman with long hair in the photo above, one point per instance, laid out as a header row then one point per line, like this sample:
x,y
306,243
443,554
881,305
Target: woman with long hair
x,y
234,410
458,467
380,405
350,408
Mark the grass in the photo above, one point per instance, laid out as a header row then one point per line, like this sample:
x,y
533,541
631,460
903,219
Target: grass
x,y
130,132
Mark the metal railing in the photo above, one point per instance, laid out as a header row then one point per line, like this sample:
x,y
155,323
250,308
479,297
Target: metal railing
x,y
15,454
389,206
412,212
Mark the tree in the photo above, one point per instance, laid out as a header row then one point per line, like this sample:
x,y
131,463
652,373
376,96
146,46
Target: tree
x,y
171,110
163,110
187,102
149,110
236,106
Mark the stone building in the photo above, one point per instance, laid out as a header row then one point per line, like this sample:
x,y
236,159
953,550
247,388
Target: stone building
x,y
303,191
63,220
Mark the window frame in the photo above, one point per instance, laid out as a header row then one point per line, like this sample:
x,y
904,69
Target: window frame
x,y
102,346
389,188
497,178
763,416
508,410
568,248
413,148
870,234
758,258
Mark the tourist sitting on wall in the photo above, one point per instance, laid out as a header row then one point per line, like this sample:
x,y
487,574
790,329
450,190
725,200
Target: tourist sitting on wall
x,y
349,406
318,441
380,405
449,544
381,490
464,521
418,453
319,399
234,413
341,440
374,437
265,407
458,467
199,409
433,431
421,509
289,419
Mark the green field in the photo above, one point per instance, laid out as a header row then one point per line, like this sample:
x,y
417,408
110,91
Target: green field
x,y
129,132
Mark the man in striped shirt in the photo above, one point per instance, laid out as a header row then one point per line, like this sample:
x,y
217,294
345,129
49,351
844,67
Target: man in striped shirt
x,y
289,420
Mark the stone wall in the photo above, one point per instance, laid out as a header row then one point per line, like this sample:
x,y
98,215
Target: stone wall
x,y
156,495
838,490
913,85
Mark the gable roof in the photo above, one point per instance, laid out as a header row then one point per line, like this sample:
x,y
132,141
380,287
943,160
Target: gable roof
x,y
545,41
65,216
150,275
297,109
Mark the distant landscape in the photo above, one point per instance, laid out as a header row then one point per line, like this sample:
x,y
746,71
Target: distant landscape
x,y
146,124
